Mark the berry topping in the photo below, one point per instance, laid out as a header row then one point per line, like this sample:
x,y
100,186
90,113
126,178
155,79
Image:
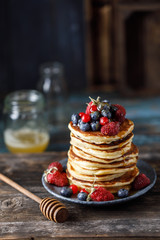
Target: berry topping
x,y
57,178
74,188
95,115
110,129
106,113
84,126
98,116
66,192
81,114
104,120
122,193
86,118
88,107
119,113
95,126
141,181
55,165
82,196
84,190
101,194
93,108
74,118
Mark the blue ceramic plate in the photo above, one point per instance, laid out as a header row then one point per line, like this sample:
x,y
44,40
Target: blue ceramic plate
x,y
143,167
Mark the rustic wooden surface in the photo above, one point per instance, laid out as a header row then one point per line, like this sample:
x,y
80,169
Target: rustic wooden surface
x,y
20,217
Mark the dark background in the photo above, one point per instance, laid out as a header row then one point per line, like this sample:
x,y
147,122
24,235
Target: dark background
x,y
34,32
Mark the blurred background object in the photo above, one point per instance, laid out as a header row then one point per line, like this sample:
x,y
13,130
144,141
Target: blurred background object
x,y
107,47
52,84
25,126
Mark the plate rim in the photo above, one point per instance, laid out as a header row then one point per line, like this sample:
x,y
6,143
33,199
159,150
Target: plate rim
x,y
104,203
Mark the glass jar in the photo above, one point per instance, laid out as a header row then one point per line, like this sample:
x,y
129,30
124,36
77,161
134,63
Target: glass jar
x,y
25,126
53,85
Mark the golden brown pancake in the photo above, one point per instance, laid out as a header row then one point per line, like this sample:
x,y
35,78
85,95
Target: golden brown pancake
x,y
101,160
98,138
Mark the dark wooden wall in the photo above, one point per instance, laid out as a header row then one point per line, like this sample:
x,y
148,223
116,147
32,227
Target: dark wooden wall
x,y
34,32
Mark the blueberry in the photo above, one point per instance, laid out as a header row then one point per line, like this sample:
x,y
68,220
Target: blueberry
x,y
100,106
66,192
106,113
95,126
84,126
82,196
107,104
74,118
79,122
122,193
95,115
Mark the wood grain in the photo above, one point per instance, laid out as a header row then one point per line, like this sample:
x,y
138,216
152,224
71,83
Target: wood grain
x,y
20,217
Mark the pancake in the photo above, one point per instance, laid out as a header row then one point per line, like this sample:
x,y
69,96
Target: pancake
x,y
106,154
88,164
133,152
98,138
113,185
102,160
75,141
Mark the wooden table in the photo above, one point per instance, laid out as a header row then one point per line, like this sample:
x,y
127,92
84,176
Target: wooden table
x,y
20,217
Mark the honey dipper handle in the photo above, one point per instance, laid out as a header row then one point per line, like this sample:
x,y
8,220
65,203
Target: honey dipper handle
x,y
19,188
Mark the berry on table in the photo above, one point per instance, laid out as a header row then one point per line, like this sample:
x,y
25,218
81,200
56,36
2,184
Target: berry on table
x,y
81,114
74,188
122,193
110,129
66,192
55,165
74,118
84,126
84,190
95,126
86,118
101,194
95,115
82,196
141,181
57,178
104,120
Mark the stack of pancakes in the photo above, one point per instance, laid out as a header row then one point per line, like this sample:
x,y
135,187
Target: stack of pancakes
x,y
105,161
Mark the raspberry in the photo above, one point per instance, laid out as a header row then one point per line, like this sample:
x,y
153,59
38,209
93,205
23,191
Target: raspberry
x,y
86,118
141,181
101,194
56,165
110,129
120,113
57,178
88,107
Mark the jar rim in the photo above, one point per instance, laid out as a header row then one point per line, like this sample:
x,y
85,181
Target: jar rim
x,y
24,98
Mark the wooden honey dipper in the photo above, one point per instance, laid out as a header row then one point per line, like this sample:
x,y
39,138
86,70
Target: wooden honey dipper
x,y
51,208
